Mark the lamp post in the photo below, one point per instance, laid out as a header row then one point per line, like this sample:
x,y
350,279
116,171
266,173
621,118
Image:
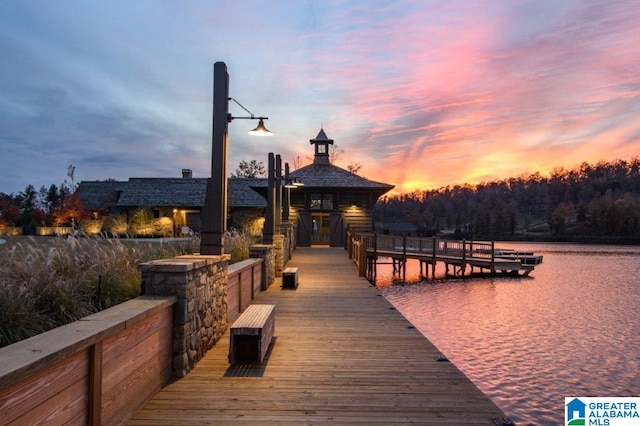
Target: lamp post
x,y
278,187
278,197
272,218
214,212
286,196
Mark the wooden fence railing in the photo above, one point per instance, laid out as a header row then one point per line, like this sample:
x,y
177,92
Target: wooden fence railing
x,y
97,370
103,368
365,249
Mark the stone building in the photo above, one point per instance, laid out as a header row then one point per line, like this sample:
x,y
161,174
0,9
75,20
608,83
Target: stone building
x,y
174,203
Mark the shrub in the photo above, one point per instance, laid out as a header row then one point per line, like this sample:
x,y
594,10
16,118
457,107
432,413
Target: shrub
x,y
142,222
236,243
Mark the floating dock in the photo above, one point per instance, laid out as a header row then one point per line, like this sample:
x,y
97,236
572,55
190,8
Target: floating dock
x,y
460,258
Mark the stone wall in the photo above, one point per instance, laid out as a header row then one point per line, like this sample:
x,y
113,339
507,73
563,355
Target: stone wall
x,y
278,241
200,316
288,231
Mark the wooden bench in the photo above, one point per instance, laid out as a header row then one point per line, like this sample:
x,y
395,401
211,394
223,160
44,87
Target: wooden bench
x,y
290,278
252,334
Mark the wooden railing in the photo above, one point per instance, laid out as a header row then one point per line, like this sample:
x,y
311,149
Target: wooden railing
x,y
357,249
97,370
365,249
478,249
103,368
243,284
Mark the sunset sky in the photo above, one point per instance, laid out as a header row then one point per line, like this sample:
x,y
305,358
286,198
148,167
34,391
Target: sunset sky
x,y
422,93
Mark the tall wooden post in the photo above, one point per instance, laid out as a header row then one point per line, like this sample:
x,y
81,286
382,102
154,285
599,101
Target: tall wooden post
x,y
286,194
433,259
404,257
269,220
362,257
464,257
214,212
493,257
277,220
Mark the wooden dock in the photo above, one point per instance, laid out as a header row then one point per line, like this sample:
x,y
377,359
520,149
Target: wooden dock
x,y
463,257
342,355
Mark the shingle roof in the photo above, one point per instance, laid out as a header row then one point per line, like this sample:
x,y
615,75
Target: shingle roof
x,y
164,192
322,137
328,175
97,195
240,193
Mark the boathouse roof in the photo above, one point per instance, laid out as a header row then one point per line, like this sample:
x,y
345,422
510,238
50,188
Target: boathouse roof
x,y
96,195
165,192
159,192
322,137
322,174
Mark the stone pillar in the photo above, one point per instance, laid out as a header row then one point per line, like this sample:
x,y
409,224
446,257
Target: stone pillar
x,y
266,252
278,242
287,231
200,314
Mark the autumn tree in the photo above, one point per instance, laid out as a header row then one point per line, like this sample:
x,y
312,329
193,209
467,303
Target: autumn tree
x,y
9,210
72,210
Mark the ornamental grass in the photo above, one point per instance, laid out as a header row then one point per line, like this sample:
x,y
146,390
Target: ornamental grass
x,y
47,282
236,244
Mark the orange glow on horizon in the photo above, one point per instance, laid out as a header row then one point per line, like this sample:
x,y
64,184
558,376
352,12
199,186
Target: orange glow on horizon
x,y
427,175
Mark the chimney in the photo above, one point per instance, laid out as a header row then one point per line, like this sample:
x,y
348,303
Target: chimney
x,y
187,174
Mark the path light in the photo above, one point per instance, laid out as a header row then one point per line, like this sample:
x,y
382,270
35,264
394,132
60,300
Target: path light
x,y
260,130
214,212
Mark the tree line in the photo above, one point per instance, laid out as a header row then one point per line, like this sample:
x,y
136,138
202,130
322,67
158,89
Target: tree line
x,y
55,205
592,202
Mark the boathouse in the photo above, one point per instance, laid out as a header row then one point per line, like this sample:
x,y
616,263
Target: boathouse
x,y
331,200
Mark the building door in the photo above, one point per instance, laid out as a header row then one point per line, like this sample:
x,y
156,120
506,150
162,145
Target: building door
x,y
336,231
320,227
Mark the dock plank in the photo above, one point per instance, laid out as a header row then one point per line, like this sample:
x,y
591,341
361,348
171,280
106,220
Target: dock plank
x,y
342,354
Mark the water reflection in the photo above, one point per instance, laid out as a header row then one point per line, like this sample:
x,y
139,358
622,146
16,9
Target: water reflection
x,y
571,329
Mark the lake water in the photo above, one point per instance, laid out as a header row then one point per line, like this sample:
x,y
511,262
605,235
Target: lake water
x,y
570,329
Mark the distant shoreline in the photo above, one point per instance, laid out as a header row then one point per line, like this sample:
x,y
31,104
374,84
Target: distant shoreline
x,y
573,239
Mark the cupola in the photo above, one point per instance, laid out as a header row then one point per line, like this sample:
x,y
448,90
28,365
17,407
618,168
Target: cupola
x,y
321,143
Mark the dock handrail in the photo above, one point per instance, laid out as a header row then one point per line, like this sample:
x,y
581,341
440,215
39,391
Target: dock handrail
x,y
382,243
457,253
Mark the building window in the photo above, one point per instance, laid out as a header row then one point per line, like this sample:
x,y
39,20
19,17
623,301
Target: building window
x,y
321,202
